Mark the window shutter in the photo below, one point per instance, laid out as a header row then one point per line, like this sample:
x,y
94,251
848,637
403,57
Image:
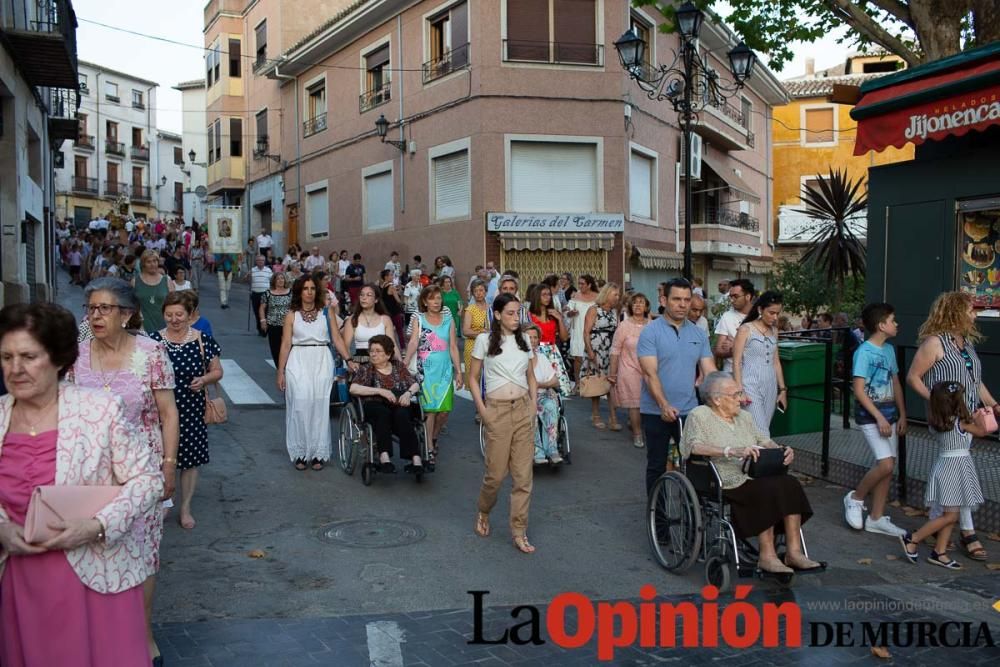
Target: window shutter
x,y
262,124
234,58
378,57
452,196
318,212
640,186
575,31
528,30
459,25
553,177
378,201
819,125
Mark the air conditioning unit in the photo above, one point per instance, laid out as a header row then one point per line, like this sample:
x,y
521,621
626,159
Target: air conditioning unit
x,y
696,150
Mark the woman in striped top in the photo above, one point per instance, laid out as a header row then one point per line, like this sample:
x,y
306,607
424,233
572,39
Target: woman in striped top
x,y
756,364
946,354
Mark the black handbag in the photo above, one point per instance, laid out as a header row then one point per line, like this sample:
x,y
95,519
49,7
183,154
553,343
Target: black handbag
x,y
769,463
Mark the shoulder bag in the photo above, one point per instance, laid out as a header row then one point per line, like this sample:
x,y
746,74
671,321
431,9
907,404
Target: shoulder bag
x,y
592,386
215,408
769,463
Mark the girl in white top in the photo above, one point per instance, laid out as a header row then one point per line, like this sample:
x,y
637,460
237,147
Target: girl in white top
x,y
368,319
576,311
504,362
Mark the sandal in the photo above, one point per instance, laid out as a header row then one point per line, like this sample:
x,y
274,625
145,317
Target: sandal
x,y
906,539
615,427
598,424
317,465
482,524
522,544
300,464
938,559
975,553
774,566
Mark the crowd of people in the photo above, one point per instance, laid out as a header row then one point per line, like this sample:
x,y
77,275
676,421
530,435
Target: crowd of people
x,y
119,398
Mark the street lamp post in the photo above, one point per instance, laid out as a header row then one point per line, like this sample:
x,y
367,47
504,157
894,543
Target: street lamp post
x,y
688,83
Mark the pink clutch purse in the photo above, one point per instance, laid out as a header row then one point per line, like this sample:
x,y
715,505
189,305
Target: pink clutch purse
x,y
60,503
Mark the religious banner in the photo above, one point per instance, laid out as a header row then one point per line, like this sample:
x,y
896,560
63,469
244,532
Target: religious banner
x,y
224,229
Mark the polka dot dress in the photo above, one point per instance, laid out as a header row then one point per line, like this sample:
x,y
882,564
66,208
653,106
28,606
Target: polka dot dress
x,y
188,364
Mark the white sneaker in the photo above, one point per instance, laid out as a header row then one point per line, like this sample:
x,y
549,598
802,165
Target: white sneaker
x,y
555,458
540,461
884,526
638,443
853,511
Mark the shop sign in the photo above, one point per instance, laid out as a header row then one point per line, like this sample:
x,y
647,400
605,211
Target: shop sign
x,y
555,222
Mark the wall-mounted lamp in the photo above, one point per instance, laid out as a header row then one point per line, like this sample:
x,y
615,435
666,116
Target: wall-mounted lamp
x,y
381,127
163,182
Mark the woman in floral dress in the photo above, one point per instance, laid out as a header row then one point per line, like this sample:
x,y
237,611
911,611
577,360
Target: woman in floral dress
x,y
137,369
434,345
598,331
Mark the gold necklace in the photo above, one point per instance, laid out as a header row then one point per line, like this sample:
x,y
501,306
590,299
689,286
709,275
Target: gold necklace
x,y
105,382
33,428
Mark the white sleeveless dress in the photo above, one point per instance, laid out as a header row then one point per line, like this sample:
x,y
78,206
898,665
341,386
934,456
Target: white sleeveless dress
x,y
308,379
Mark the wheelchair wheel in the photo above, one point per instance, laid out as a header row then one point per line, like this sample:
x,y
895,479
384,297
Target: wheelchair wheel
x,y
719,569
367,473
350,435
563,441
675,528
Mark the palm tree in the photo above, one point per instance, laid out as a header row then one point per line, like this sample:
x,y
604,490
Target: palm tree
x,y
835,249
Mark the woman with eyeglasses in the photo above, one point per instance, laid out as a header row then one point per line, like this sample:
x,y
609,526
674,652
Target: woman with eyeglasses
x,y
947,353
762,506
138,370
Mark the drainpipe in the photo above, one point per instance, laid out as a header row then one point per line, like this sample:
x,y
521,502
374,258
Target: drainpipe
x,y
402,132
154,161
97,135
298,146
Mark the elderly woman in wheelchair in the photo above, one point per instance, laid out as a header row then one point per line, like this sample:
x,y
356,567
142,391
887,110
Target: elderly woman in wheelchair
x,y
389,395
764,506
547,377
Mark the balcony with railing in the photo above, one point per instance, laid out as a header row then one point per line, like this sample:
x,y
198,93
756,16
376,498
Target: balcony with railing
x,y
375,97
315,124
725,217
554,53
114,188
112,147
262,146
85,142
140,193
140,153
41,36
449,62
84,185
63,122
724,125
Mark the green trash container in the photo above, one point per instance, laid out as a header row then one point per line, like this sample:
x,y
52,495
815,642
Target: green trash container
x,y
802,364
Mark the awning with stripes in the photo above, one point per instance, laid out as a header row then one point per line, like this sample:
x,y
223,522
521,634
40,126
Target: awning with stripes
x,y
555,241
758,266
654,258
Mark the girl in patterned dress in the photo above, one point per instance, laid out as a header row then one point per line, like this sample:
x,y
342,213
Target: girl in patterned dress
x,y
756,364
953,484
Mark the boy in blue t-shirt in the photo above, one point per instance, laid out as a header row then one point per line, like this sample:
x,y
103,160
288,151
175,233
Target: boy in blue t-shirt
x,y
881,414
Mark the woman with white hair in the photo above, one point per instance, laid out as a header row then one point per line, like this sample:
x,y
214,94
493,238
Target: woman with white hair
x,y
761,506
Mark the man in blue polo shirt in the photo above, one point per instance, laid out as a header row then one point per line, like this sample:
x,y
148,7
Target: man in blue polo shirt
x,y
671,349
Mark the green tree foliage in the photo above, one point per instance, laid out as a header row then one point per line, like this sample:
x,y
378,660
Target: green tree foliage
x,y
807,292
918,31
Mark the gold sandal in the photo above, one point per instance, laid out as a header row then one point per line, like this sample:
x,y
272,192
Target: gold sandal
x,y
522,544
482,524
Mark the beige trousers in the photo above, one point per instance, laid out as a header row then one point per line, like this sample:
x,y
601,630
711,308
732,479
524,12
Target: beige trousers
x,y
510,447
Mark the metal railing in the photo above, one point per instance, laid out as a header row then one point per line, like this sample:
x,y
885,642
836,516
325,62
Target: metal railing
x,y
114,147
138,105
84,185
376,97
313,125
63,103
449,62
750,139
262,146
112,98
139,153
115,188
46,63
556,53
141,193
85,141
725,108
714,215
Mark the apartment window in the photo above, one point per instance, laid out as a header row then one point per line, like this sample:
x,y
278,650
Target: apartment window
x,y
378,198
137,136
218,140
178,196
820,125
84,87
234,59
746,113
137,179
178,155
642,185
317,209
569,37
113,187
81,130
111,91
260,35
236,137
550,176
810,183
80,167
376,78
262,126
315,108
643,29
212,65
137,101
448,41
451,186
111,130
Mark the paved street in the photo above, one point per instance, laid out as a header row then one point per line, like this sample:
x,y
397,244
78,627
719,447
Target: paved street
x,y
350,575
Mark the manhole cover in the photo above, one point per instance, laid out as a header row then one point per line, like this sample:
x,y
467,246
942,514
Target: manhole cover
x,y
371,533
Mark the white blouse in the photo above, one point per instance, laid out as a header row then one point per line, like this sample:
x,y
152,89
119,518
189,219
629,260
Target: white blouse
x,y
508,367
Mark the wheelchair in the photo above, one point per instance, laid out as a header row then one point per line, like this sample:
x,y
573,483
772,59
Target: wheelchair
x,y
356,442
689,521
562,434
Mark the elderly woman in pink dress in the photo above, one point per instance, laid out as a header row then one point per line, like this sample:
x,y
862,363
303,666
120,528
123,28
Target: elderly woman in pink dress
x,y
626,376
75,599
137,369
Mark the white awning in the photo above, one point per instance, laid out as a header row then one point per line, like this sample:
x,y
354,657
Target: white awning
x,y
758,266
552,241
653,258
737,185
